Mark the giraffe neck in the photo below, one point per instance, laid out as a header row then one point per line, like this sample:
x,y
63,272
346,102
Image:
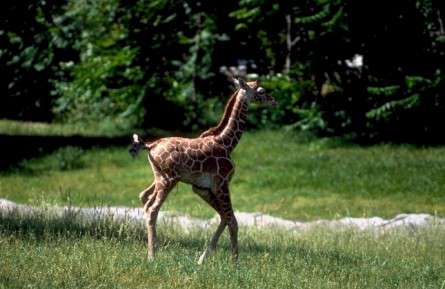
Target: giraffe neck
x,y
232,132
224,119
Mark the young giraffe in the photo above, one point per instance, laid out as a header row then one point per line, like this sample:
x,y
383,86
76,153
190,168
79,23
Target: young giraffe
x,y
203,162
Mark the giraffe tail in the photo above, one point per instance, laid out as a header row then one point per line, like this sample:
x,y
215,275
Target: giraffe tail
x,y
137,145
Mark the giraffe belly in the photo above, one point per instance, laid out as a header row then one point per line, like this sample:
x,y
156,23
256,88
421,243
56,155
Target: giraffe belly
x,y
199,180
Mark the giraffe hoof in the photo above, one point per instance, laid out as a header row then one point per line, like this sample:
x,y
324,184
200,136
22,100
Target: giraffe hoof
x,y
202,258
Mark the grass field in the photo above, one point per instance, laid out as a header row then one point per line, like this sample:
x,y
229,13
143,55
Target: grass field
x,y
44,253
277,173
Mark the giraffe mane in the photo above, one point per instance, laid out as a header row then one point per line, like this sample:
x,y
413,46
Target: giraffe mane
x,y
213,131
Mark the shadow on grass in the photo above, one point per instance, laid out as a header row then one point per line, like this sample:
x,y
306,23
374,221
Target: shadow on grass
x,y
45,227
41,226
15,148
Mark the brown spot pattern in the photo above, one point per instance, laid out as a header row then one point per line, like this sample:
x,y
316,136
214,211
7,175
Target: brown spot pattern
x,y
209,165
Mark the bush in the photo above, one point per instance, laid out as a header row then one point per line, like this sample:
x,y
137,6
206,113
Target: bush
x,y
104,83
68,158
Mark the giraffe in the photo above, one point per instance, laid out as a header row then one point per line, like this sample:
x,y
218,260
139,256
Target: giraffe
x,y
204,162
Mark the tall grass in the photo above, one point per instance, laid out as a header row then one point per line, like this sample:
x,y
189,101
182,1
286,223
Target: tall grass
x,y
40,252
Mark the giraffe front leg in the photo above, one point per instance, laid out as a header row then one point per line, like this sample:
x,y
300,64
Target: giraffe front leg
x,y
230,219
212,245
233,231
209,198
151,238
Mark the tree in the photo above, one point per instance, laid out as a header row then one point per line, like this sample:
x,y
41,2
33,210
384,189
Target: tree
x,y
28,59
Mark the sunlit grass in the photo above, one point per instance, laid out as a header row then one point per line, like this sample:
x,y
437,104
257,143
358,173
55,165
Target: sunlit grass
x,y
276,173
12,127
41,253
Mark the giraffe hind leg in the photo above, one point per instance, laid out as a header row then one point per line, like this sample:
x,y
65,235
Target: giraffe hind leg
x,y
145,194
152,208
209,198
229,217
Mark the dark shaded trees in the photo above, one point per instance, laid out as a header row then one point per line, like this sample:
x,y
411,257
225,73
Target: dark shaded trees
x,y
156,63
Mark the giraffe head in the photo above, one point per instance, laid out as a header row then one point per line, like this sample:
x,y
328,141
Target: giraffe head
x,y
255,92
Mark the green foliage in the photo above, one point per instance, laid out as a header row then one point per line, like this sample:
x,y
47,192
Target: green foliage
x,y
132,63
387,91
286,91
104,83
129,69
315,18
28,59
311,120
197,67
415,95
291,108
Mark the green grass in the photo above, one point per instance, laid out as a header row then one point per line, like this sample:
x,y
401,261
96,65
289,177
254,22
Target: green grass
x,y
276,173
12,127
44,253
101,129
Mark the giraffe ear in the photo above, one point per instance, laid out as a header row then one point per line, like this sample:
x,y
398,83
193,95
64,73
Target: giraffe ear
x,y
240,83
236,82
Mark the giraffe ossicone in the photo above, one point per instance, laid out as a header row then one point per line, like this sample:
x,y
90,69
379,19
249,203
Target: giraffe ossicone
x,y
203,162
